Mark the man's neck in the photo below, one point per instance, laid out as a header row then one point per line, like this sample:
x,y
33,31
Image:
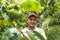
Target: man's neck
x,y
31,27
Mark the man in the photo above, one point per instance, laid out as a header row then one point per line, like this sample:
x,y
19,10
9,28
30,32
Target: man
x,y
31,25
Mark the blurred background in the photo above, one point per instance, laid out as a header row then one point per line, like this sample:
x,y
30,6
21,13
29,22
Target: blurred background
x,y
13,13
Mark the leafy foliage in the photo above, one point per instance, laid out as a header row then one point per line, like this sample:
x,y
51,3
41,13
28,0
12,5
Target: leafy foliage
x,y
14,14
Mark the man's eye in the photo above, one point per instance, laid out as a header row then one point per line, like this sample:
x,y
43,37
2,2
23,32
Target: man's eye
x,y
31,19
34,19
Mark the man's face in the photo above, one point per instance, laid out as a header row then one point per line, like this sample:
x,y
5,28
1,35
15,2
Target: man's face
x,y
32,21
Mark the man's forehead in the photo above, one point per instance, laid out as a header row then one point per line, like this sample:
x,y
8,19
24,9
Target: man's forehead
x,y
32,17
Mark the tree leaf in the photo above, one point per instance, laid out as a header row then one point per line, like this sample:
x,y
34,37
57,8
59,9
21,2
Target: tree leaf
x,y
31,6
39,35
31,36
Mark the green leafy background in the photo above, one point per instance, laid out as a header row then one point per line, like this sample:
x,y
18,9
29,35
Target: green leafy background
x,y
13,13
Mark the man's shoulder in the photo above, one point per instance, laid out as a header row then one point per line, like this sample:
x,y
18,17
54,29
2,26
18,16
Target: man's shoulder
x,y
39,30
24,30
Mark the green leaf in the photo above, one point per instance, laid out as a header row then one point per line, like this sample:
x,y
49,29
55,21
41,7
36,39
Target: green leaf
x,y
3,9
0,1
31,36
14,14
10,1
39,35
31,6
23,38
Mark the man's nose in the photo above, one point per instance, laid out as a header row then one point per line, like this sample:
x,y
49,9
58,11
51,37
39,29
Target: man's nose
x,y
32,20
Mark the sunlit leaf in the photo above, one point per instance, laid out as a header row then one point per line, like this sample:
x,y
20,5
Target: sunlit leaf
x,y
39,35
31,6
31,36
